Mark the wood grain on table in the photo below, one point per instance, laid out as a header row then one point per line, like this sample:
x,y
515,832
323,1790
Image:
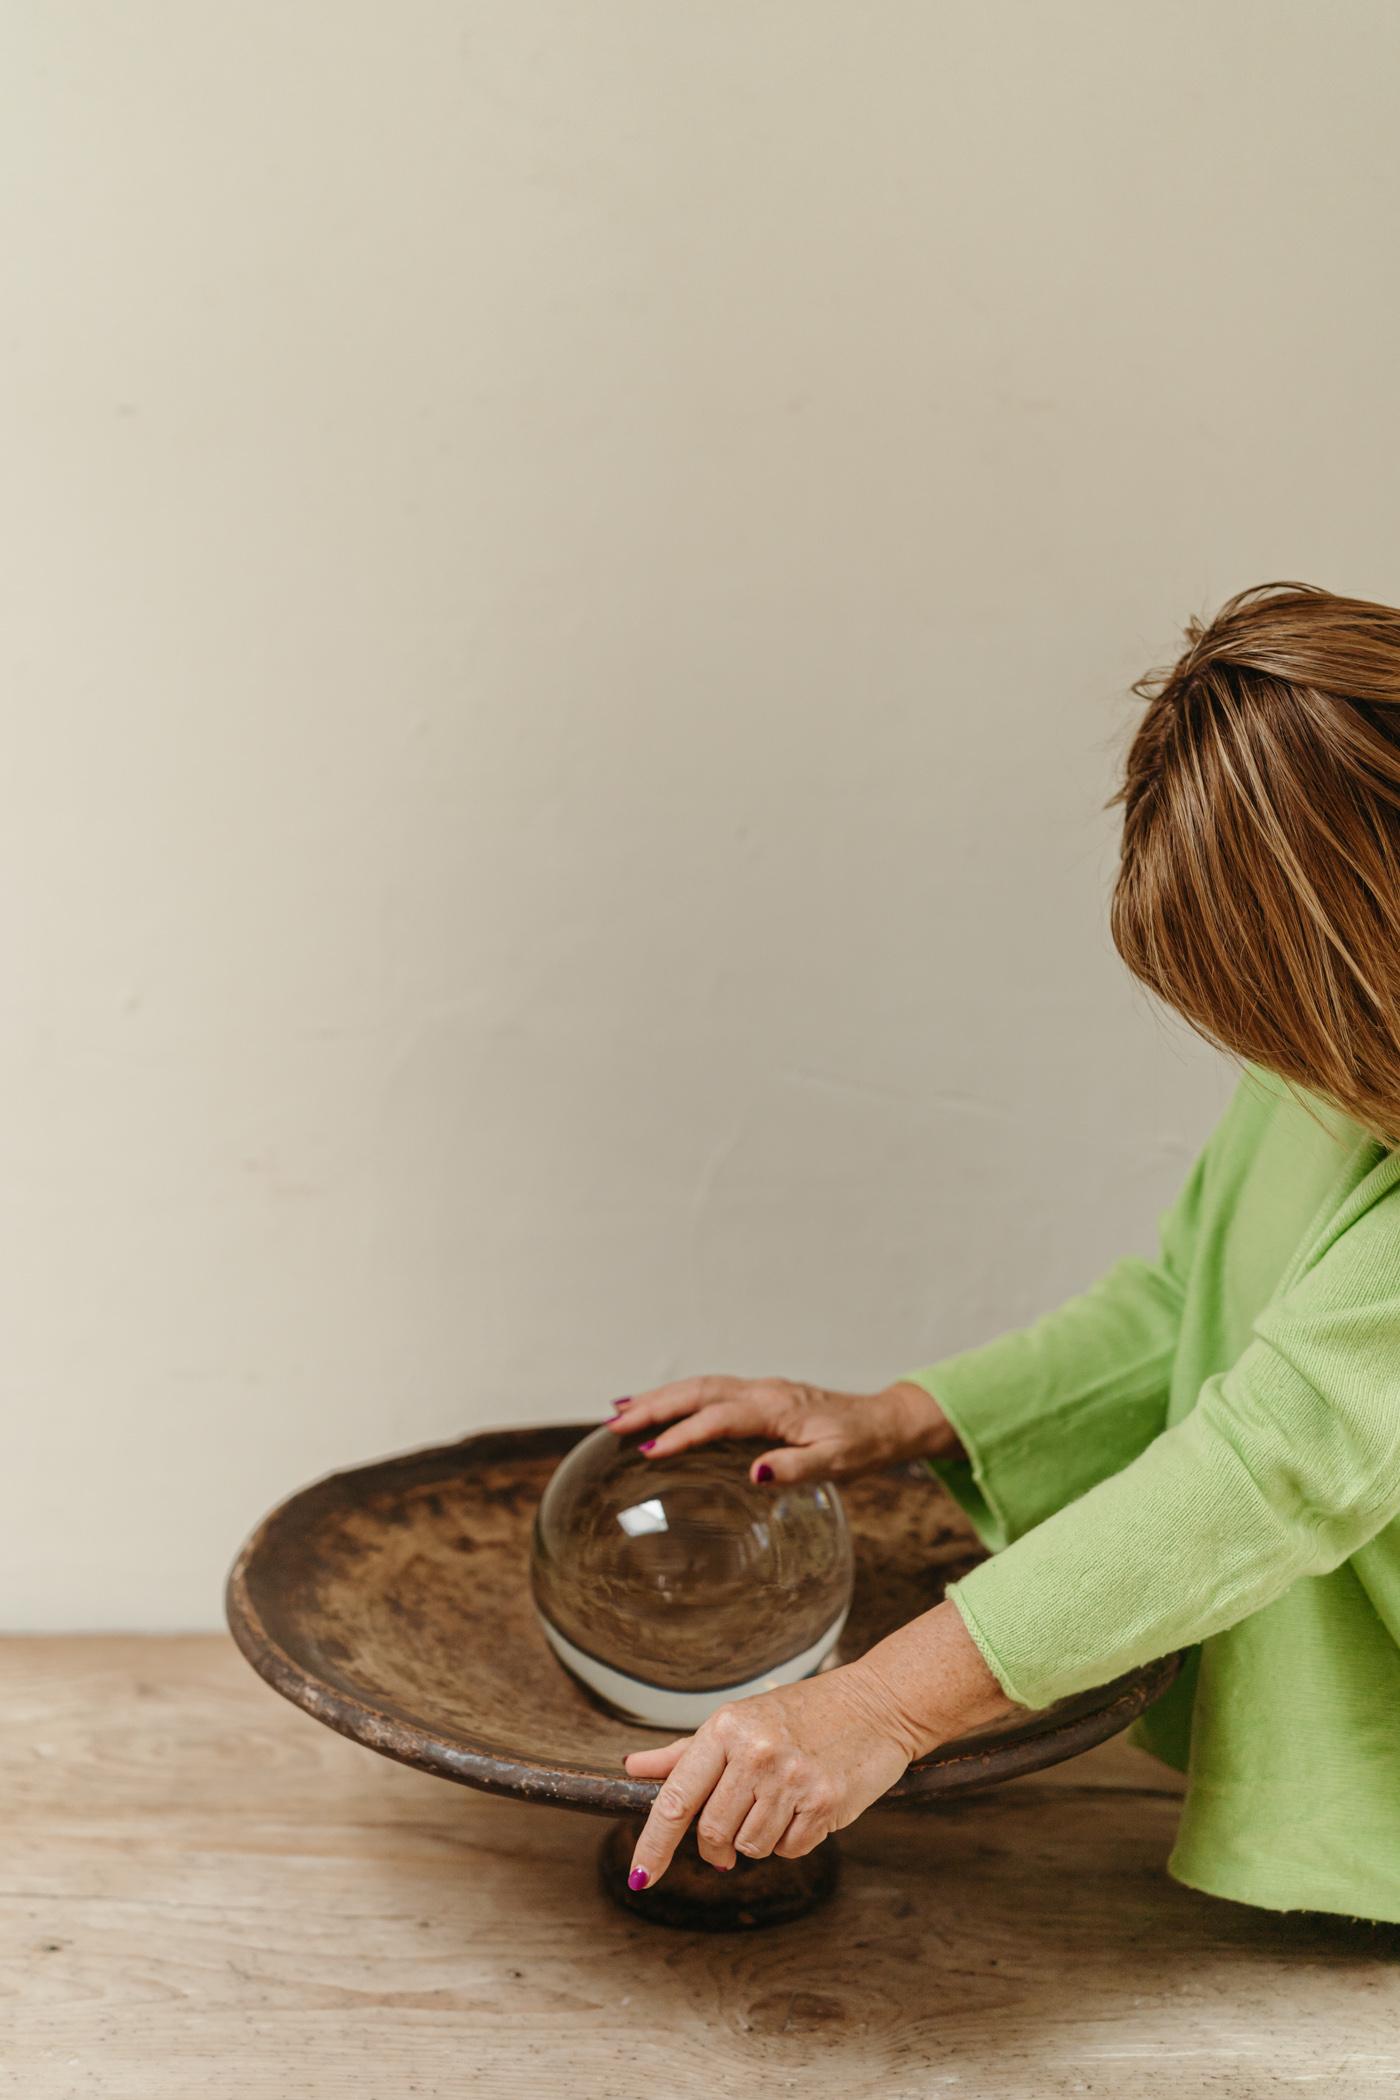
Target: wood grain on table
x,y
203,1892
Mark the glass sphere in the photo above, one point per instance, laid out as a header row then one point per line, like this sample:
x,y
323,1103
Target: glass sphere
x,y
669,1585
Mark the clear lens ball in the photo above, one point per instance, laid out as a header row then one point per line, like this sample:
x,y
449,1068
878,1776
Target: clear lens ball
x,y
667,1586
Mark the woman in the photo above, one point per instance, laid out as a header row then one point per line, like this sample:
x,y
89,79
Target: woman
x,y
1201,1451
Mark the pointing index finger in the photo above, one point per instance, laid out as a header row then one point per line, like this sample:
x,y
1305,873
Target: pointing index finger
x,y
689,1787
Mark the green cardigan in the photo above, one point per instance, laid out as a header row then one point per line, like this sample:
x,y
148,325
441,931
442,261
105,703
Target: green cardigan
x,y
1203,1452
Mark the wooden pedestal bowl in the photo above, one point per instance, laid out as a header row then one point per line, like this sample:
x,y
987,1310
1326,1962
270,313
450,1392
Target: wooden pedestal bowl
x,y
392,1602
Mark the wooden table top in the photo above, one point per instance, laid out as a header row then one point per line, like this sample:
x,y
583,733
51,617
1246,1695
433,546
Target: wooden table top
x,y
205,1894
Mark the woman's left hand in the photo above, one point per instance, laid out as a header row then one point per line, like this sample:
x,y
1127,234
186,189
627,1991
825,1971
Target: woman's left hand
x,y
775,1773
779,1772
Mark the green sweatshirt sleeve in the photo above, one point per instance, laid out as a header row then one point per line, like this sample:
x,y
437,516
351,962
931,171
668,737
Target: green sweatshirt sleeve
x,y
1048,1411
1287,1465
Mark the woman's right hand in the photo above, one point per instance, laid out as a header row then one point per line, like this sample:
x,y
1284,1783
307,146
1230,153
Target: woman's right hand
x,y
814,1434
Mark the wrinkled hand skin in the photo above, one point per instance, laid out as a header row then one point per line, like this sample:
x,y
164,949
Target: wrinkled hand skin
x,y
778,1773
815,1434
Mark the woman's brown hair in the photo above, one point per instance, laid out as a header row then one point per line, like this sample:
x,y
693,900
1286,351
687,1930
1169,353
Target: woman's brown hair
x,y
1259,888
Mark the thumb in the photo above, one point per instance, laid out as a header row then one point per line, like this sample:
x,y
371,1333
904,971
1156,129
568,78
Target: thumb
x,y
654,1764
792,1462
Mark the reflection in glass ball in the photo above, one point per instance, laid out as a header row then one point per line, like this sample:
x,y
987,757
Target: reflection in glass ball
x,y
670,1585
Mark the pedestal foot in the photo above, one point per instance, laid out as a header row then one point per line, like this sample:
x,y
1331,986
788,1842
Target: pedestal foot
x,y
699,1898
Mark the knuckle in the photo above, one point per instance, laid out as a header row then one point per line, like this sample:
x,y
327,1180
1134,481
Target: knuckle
x,y
710,1834
669,1806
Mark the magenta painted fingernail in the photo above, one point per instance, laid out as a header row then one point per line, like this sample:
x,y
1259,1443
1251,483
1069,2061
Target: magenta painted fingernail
x,y
637,1879
649,1445
627,1402
760,1472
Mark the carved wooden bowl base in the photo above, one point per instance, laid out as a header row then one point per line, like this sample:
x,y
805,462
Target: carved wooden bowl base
x,y
700,1898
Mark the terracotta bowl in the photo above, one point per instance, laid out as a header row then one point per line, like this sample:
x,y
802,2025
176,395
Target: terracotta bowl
x,y
392,1602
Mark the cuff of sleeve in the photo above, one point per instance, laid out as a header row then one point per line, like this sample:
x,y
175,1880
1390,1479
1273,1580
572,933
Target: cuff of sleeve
x,y
1002,1488
989,1650
999,1485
